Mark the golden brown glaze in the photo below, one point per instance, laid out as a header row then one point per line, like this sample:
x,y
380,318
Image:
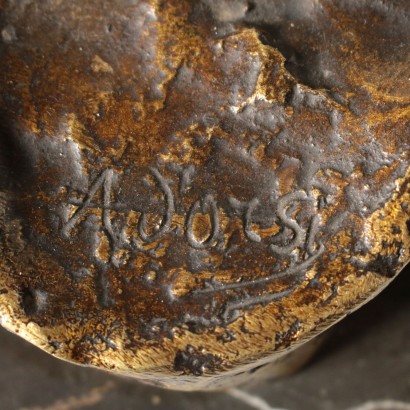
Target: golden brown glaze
x,y
189,189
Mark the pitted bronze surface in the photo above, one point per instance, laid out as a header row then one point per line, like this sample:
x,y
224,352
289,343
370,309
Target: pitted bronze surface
x,y
189,189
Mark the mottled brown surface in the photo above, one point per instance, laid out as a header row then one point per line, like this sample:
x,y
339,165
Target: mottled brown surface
x,y
365,359
190,188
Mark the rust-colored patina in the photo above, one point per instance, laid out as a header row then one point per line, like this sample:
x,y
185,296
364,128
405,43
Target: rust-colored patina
x,y
191,189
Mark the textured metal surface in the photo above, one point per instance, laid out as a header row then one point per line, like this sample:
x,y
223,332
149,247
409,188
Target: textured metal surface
x,y
364,365
191,188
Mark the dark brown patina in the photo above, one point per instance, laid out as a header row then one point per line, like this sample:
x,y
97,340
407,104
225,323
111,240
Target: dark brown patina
x,y
198,184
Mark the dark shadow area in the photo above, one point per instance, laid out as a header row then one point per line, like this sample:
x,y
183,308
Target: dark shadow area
x,y
15,159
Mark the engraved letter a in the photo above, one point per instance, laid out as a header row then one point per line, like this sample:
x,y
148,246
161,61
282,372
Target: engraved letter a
x,y
104,181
